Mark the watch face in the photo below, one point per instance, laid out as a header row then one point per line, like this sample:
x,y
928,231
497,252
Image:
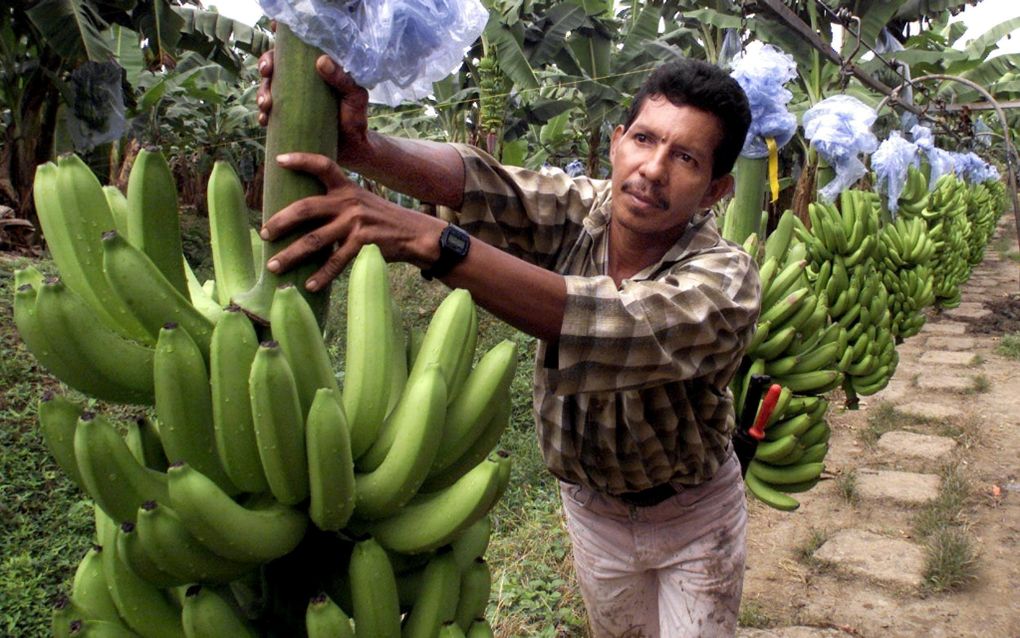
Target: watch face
x,y
456,240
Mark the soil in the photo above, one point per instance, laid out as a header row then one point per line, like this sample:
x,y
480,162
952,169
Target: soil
x,y
789,591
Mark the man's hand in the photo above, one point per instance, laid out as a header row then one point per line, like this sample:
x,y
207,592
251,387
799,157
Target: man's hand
x,y
352,100
349,217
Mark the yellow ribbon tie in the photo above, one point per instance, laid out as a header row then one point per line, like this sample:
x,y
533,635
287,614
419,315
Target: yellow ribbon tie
x,y
773,167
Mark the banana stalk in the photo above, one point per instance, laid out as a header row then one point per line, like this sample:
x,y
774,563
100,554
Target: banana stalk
x,y
304,118
744,213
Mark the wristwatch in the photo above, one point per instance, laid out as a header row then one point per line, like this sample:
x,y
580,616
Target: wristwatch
x,y
454,243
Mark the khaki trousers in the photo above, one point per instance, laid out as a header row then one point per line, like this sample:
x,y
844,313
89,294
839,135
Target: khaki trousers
x,y
673,570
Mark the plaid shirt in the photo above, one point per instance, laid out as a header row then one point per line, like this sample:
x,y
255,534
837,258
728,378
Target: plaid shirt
x,y
635,393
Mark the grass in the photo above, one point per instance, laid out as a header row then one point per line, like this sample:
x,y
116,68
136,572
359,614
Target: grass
x,y
950,551
1009,346
846,487
881,419
753,615
980,383
805,550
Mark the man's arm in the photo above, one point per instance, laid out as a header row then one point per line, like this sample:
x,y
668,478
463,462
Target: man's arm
x,y
524,295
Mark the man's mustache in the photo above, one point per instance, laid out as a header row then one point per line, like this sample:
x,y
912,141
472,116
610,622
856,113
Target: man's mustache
x,y
645,192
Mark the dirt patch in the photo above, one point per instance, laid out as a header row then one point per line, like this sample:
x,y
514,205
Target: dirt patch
x,y
1005,317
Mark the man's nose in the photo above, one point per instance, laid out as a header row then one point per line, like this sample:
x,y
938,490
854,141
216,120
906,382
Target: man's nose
x,y
655,167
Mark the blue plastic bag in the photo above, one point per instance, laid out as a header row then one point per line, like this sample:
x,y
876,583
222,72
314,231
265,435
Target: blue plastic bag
x,y
839,128
762,74
939,161
891,162
97,114
394,48
971,168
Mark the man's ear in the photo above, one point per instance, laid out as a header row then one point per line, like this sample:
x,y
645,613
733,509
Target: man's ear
x,y
717,189
617,134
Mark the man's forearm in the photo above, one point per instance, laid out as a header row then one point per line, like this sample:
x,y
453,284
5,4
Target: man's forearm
x,y
429,171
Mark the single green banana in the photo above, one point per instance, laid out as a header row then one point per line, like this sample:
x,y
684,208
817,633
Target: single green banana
x,y
449,340
74,213
325,619
770,451
769,495
331,483
93,628
202,299
175,550
144,607
479,628
369,348
475,454
817,382
374,591
778,241
58,419
248,535
472,542
451,630
785,475
430,521
795,426
783,284
142,438
279,424
477,403
206,614
231,353
228,225
815,453
418,423
113,477
123,365
154,224
817,433
437,600
786,307
184,404
118,208
132,551
149,295
475,584
775,344
74,372
300,337
89,589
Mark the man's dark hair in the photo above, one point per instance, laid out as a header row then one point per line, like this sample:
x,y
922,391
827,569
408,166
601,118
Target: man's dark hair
x,y
704,86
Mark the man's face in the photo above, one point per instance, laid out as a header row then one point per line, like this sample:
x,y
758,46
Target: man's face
x,y
662,169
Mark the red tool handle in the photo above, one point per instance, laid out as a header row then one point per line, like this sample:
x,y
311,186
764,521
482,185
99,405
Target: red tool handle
x,y
768,404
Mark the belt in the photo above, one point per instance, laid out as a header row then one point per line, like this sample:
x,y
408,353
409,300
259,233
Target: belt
x,y
651,496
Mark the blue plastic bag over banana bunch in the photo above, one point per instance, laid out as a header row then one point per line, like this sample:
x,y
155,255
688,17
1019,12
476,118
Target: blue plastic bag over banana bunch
x,y
890,162
839,128
939,161
971,168
394,48
762,72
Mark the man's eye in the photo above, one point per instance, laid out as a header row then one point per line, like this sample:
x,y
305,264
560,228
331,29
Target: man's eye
x,y
683,157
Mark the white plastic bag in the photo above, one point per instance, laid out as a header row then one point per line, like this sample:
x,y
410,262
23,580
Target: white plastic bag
x,y
890,162
839,128
762,72
394,48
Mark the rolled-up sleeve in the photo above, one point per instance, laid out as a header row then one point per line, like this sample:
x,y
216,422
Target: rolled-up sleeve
x,y
532,215
694,321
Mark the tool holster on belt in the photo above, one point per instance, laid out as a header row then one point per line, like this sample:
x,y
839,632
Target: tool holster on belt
x,y
744,444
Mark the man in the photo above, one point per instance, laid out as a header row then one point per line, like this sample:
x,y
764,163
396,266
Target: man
x,y
642,311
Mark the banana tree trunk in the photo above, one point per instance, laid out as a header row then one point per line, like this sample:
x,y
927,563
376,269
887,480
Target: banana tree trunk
x,y
304,118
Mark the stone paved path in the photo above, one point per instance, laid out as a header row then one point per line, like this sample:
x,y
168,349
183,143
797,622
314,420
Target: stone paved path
x,y
838,567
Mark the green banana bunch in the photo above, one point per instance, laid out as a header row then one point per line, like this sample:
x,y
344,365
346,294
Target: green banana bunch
x,y
904,254
950,229
913,199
